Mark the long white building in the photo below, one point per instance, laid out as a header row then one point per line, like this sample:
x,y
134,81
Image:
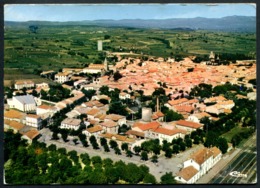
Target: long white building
x,y
24,103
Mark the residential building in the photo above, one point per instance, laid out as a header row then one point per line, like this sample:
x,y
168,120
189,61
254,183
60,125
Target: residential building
x,y
14,115
95,131
188,125
198,164
25,103
120,120
123,95
14,125
70,123
31,135
110,126
34,120
62,77
23,84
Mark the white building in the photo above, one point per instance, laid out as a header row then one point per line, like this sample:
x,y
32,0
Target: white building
x,y
21,84
100,45
70,123
124,95
62,77
198,165
34,121
165,134
24,103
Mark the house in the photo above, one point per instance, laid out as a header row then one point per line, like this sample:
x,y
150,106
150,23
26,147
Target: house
x,y
198,116
119,139
98,97
31,135
110,126
135,134
123,95
34,120
62,77
95,68
157,116
95,131
188,125
70,123
44,109
165,134
21,84
24,103
14,115
120,120
198,164
92,113
14,125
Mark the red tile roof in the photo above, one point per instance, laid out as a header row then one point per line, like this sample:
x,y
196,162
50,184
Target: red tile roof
x,y
16,125
187,173
188,124
94,129
152,125
169,132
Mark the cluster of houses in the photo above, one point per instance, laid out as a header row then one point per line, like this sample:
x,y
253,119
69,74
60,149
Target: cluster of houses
x,y
28,111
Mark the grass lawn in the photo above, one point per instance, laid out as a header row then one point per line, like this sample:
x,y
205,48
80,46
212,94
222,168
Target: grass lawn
x,y
234,131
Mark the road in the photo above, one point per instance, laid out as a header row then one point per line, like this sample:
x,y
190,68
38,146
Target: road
x,y
242,169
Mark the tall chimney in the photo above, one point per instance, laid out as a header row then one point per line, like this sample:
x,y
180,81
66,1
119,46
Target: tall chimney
x,y
157,109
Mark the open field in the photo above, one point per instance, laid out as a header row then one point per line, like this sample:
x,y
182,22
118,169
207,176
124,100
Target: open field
x,y
235,131
55,47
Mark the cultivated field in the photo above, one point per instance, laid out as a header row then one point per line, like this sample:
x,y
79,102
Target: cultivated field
x,y
54,47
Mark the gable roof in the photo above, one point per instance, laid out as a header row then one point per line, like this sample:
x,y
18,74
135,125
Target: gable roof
x,y
114,117
31,134
71,121
136,133
202,155
178,101
109,123
16,125
14,114
169,132
188,124
152,125
25,99
187,173
94,129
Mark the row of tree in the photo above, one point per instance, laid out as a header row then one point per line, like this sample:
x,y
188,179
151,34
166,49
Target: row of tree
x,y
38,164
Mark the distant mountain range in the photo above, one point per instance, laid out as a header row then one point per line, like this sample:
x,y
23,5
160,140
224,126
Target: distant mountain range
x,y
229,23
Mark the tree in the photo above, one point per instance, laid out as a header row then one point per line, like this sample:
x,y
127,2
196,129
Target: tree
x,y
111,174
64,136
154,159
168,178
106,148
129,153
75,140
107,162
96,159
85,158
93,141
149,179
117,151
107,37
172,116
175,148
196,139
124,146
117,76
144,156
222,144
168,153
113,144
104,90
52,147
117,108
137,149
103,141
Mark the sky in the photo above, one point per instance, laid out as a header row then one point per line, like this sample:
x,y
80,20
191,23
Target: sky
x,y
73,12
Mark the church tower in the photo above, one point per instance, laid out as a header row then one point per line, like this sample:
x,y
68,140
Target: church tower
x,y
105,64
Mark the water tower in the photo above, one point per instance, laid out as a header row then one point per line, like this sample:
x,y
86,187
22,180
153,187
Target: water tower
x,y
100,45
146,114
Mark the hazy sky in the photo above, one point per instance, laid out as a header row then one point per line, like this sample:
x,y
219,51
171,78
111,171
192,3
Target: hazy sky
x,y
123,11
